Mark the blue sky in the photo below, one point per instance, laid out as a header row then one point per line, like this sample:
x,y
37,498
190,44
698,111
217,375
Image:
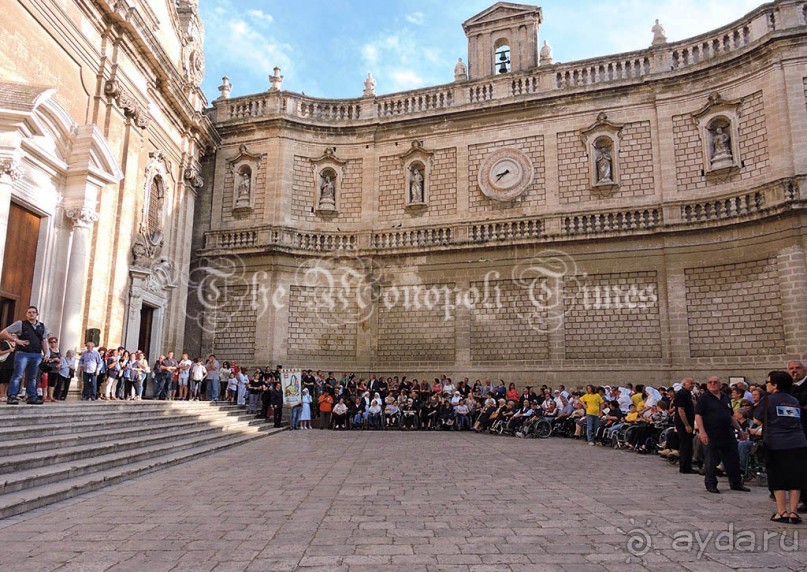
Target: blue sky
x,y
325,48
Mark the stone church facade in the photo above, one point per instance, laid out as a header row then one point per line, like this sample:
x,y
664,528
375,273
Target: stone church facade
x,y
625,218
101,135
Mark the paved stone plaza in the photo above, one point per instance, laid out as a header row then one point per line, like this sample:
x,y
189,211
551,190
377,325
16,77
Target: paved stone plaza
x,y
429,501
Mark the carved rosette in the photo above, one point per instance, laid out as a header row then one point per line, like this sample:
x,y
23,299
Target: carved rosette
x,y
11,168
127,103
82,217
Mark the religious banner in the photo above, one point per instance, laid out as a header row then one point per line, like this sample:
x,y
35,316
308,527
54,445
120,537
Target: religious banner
x,y
292,386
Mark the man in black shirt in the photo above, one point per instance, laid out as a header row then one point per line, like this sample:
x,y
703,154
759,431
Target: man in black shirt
x,y
716,423
685,424
28,336
798,372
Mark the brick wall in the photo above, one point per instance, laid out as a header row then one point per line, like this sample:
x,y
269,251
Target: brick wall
x,y
234,325
348,192
532,198
753,142
501,329
613,316
734,310
635,165
317,331
416,334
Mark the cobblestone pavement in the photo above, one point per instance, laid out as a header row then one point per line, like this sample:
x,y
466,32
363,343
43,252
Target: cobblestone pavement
x,y
427,501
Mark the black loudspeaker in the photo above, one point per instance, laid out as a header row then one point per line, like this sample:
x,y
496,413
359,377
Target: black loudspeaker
x,y
93,335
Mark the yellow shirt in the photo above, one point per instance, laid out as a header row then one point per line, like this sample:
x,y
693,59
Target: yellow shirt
x,y
592,401
636,398
631,417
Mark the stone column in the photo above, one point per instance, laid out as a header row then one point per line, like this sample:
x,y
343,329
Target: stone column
x,y
10,172
75,285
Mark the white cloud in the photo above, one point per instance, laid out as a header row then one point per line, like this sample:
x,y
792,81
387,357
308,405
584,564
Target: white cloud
x,y
400,61
260,16
415,18
236,45
403,80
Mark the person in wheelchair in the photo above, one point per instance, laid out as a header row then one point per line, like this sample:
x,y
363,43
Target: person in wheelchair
x,y
340,415
484,419
374,415
409,415
392,414
428,413
359,413
612,416
521,415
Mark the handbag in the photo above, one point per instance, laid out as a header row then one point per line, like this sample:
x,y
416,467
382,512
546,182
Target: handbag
x,y
45,367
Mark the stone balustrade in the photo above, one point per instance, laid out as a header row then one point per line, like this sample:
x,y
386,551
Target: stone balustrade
x,y
655,62
674,216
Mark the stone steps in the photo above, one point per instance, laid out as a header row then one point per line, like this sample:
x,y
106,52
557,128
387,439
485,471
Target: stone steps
x,y
63,450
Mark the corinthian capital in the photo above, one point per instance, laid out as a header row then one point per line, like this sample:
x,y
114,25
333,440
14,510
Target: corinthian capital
x,y
11,168
82,217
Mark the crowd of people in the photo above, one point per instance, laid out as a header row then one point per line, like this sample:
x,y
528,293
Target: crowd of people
x,y
712,424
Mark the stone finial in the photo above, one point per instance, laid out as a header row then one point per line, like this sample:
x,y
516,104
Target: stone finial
x,y
225,88
460,71
659,35
276,80
546,54
369,86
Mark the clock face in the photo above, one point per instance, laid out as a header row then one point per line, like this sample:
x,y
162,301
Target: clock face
x,y
505,174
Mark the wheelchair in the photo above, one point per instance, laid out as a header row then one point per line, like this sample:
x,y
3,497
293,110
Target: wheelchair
x,y
410,420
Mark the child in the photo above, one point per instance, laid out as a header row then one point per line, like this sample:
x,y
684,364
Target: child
x,y
232,387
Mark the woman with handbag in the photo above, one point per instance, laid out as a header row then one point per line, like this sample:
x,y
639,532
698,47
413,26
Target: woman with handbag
x,y
67,369
780,417
53,358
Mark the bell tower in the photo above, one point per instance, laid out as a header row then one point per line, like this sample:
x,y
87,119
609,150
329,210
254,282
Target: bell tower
x,y
502,38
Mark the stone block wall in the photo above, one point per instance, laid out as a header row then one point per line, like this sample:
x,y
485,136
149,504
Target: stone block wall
x,y
753,147
420,333
441,188
735,310
304,192
635,163
234,324
318,330
753,137
508,327
636,160
613,316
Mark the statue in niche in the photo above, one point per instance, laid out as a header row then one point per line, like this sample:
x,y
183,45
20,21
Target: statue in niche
x,y
721,148
659,35
460,71
242,199
416,194
327,192
604,163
